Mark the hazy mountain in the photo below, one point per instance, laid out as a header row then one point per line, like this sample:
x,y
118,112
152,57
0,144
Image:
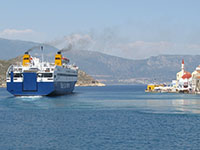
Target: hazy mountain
x,y
12,48
111,69
119,70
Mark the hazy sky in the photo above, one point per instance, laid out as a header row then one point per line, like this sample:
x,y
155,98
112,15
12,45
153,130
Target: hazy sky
x,y
128,28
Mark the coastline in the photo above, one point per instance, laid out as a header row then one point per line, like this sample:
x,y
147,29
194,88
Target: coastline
x,y
78,85
90,84
3,86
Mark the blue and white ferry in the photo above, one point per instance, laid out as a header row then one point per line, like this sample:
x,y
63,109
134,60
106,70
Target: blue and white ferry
x,y
34,77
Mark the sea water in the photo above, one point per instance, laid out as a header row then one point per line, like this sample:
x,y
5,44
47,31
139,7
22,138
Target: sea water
x,y
100,118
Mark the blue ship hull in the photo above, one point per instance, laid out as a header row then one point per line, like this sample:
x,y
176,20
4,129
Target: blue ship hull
x,y
30,87
43,89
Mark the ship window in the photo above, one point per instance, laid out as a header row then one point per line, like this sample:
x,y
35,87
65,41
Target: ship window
x,y
57,58
26,58
17,75
46,75
39,75
67,75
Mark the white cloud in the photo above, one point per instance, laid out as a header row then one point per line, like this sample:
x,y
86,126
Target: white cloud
x,y
25,34
143,44
108,42
143,49
114,45
9,32
193,46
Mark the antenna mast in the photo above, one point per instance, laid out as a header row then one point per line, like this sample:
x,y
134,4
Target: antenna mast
x,y
42,55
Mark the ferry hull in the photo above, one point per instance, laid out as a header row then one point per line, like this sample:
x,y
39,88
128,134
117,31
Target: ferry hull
x,y
61,88
40,88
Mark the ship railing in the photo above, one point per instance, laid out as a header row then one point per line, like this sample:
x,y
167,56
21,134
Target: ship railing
x,y
10,69
74,67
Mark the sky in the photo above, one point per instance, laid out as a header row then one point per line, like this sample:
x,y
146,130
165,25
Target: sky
x,y
133,29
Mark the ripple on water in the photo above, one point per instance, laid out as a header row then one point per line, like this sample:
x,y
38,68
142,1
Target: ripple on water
x,y
112,117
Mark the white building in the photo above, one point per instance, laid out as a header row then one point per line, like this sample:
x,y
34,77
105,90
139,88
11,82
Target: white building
x,y
196,80
184,80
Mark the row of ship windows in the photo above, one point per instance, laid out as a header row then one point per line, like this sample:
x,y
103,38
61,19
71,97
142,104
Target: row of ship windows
x,y
71,75
45,75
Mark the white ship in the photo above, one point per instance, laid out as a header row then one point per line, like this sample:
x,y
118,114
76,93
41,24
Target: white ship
x,y
35,77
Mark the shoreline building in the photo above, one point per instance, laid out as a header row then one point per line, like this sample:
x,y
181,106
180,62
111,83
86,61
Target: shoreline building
x,y
196,80
184,80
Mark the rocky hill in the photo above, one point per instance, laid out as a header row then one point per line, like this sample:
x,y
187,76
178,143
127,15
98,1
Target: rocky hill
x,y
4,66
86,80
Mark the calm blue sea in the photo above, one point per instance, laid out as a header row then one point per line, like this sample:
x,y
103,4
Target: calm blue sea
x,y
100,118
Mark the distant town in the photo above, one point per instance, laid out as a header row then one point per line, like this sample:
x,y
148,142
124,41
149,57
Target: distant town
x,y
185,82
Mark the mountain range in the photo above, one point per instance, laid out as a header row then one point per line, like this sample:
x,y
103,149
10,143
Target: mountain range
x,y
111,69
13,48
116,70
